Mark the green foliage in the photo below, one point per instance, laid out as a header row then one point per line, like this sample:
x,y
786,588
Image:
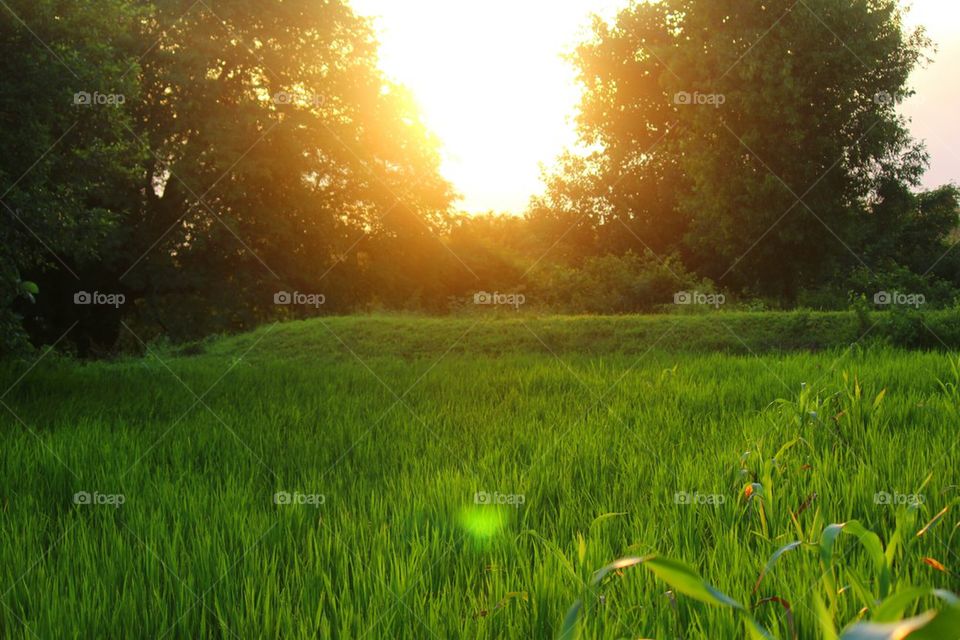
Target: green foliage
x,y
613,284
228,151
936,293
494,333
884,598
400,549
66,166
234,150
13,339
318,174
711,180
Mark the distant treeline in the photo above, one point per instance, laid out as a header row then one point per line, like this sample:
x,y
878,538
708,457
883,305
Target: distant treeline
x,y
176,169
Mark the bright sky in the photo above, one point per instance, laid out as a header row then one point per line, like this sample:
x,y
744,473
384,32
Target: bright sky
x,y
492,84
934,109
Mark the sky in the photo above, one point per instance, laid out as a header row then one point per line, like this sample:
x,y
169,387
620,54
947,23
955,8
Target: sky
x,y
492,83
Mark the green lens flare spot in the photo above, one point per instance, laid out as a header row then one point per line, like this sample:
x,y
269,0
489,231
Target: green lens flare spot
x,y
483,522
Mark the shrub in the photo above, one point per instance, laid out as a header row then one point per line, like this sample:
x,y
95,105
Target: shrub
x,y
614,284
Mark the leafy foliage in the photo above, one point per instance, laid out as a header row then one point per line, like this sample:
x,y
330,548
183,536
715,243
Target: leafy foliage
x,y
693,103
230,151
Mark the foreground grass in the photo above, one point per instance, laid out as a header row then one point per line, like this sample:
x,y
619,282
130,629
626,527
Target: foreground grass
x,y
383,447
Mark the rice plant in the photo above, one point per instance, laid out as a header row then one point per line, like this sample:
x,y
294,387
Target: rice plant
x,y
351,480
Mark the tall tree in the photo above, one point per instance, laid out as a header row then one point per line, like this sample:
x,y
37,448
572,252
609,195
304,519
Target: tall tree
x,y
281,153
65,155
752,136
271,154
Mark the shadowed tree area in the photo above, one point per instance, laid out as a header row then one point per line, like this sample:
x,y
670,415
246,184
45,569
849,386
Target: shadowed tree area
x,y
200,159
247,148
759,141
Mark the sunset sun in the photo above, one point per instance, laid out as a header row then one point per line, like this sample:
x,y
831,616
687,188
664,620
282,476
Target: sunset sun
x,y
492,82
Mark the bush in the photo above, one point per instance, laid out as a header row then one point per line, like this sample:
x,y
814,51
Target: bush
x,y
13,338
937,293
613,284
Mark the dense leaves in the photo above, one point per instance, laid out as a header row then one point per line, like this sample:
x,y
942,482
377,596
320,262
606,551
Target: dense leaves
x,y
246,149
200,161
760,140
66,164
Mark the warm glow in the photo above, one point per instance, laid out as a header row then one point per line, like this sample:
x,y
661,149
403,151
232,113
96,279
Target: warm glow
x,y
493,85
933,111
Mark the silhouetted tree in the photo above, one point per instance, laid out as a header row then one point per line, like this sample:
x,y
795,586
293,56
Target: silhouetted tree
x,y
66,155
751,137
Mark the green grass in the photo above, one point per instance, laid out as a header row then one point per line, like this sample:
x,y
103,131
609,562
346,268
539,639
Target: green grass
x,y
399,422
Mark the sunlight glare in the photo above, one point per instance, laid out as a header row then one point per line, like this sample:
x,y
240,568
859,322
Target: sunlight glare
x,y
492,83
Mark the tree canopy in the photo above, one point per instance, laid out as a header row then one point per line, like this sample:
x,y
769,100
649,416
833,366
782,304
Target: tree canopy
x,y
759,140
199,161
